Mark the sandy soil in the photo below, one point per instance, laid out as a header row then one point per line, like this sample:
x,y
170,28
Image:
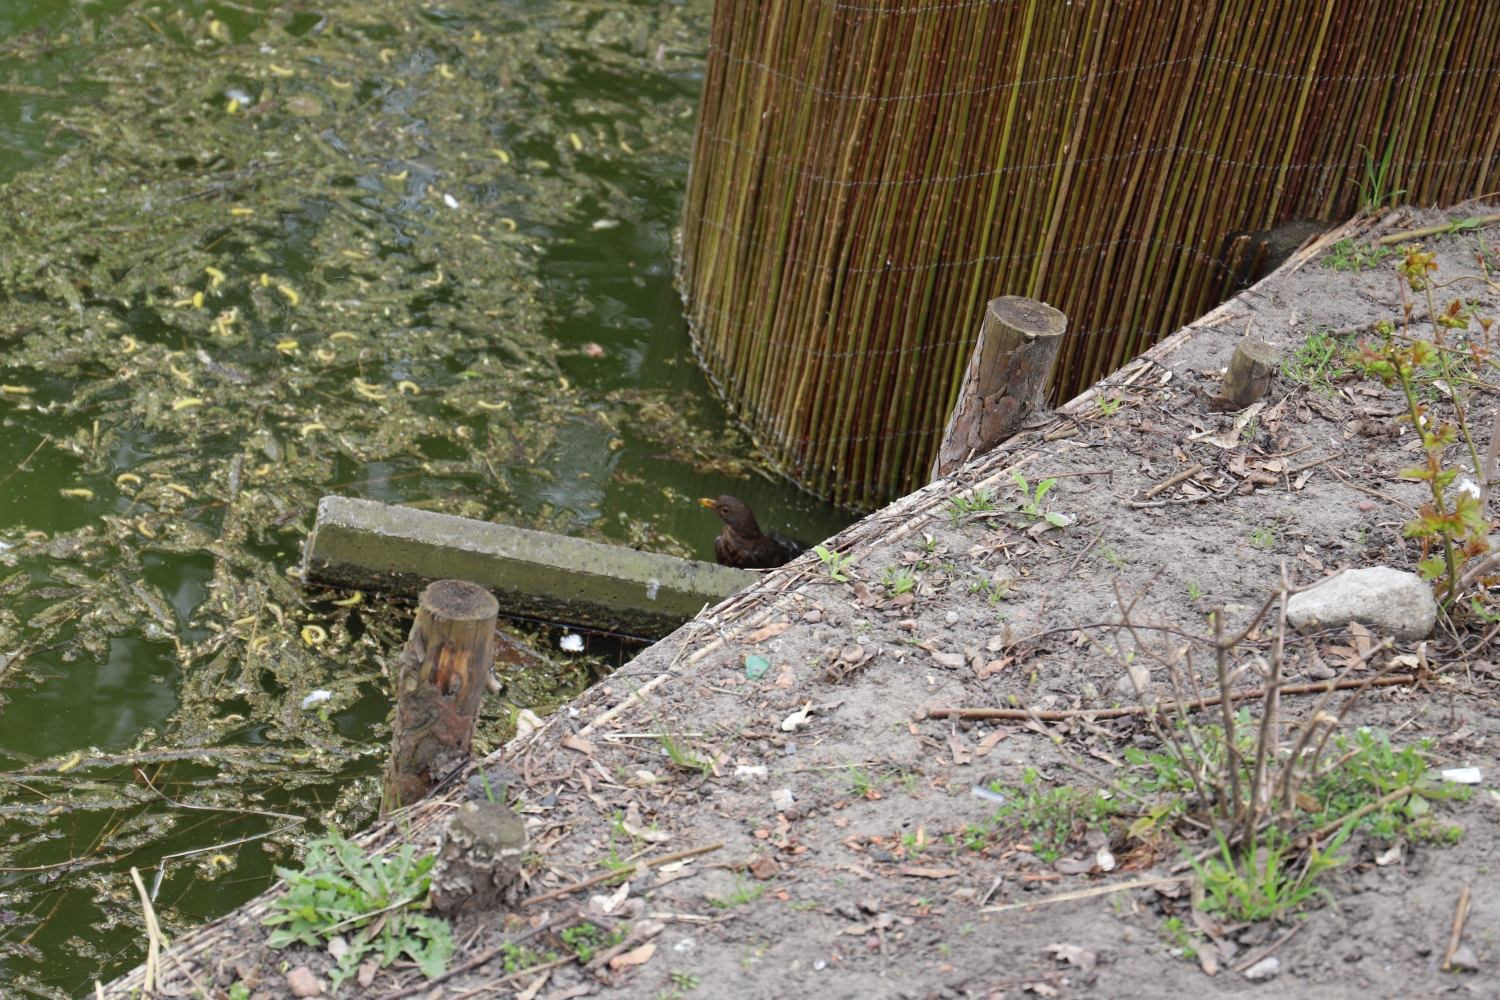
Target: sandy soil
x,y
844,903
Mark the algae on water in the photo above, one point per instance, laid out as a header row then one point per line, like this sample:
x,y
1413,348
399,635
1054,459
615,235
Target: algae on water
x,y
290,250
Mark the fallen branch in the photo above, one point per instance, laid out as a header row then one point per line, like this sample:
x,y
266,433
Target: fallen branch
x,y
1021,714
1162,487
1062,897
1456,937
663,860
1268,949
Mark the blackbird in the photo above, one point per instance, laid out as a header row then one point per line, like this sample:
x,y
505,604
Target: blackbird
x,y
743,544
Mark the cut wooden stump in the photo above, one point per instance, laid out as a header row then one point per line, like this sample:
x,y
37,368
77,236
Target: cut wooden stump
x,y
1249,374
444,672
479,858
1005,385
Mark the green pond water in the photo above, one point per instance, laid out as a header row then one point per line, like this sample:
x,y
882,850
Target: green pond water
x,y
251,254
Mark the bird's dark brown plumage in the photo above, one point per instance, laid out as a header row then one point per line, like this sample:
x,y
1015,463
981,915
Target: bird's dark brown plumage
x,y
743,544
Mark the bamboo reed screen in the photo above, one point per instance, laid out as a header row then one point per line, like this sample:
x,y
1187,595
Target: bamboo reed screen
x,y
867,174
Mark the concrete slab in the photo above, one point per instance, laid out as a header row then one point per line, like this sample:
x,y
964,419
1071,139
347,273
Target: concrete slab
x,y
366,545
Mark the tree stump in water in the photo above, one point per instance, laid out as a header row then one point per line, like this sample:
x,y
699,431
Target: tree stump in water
x,y
1005,385
478,858
444,672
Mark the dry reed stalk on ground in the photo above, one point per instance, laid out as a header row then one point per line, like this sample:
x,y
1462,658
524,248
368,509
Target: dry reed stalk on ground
x,y
866,176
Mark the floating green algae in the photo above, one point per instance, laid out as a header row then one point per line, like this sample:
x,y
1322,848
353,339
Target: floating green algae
x,y
278,252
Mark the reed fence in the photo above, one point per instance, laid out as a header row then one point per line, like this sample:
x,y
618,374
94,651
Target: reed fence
x,y
867,174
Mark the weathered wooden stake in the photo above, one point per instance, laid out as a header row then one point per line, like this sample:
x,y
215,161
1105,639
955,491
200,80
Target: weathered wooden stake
x,y
445,670
479,857
1005,384
1249,374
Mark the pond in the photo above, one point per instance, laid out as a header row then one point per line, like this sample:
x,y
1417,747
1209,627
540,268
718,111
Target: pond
x,y
257,253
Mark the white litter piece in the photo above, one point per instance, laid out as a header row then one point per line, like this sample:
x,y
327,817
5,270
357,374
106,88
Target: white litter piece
x,y
605,224
1463,775
980,792
450,201
782,799
315,697
572,642
751,771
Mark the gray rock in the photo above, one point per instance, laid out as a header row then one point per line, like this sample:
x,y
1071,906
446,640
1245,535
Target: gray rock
x,y
1465,960
1134,684
1385,599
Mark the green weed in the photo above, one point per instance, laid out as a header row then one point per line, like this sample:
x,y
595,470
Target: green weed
x,y
1376,191
961,506
741,895
833,562
373,900
1116,559
1265,879
1352,255
1176,934
1051,816
1031,502
585,940
1264,537
1318,361
898,580
1109,405
1192,590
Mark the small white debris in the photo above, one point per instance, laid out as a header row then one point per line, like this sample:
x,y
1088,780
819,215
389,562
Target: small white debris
x,y
1392,856
315,697
527,722
1467,485
797,718
450,201
236,94
980,792
754,771
1462,775
820,965
338,947
1266,968
605,223
573,713
653,587
685,947
1105,860
782,799
572,642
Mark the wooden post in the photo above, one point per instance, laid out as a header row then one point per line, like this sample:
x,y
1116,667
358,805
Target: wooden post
x,y
445,670
1249,374
1006,382
478,858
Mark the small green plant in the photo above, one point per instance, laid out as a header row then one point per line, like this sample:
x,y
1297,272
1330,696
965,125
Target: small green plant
x,y
1176,934
239,991
1351,255
833,562
1109,405
961,506
685,980
995,588
1318,361
373,900
1052,816
1452,531
1116,559
861,782
810,904
1376,191
585,939
741,895
1192,590
1263,880
898,580
1031,503
1264,537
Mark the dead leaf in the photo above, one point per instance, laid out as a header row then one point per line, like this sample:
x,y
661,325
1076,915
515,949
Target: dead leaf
x,y
530,992
1040,989
988,743
1209,962
1362,638
637,956
952,661
662,878
1082,958
930,872
993,667
1275,415
575,742
865,595
769,632
1073,866
765,868
961,752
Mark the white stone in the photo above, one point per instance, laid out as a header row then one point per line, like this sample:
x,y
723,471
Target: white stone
x,y
1266,968
1386,599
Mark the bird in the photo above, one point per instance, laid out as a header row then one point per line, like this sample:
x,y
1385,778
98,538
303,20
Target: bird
x,y
743,544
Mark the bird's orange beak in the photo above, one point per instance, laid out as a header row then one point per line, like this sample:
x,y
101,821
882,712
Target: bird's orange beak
x,y
711,504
